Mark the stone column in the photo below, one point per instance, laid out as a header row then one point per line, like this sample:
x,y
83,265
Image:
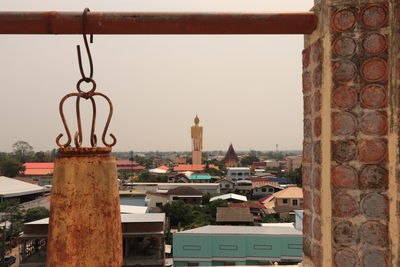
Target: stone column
x,y
85,220
350,151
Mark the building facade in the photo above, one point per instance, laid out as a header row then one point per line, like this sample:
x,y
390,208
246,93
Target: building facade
x,y
237,245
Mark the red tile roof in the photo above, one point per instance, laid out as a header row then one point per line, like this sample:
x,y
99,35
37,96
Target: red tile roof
x,y
126,162
134,168
39,165
38,168
38,171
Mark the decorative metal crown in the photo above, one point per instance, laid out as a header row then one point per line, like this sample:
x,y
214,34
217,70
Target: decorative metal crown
x,y
89,95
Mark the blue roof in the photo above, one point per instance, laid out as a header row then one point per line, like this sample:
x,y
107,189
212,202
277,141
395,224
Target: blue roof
x,y
279,180
200,177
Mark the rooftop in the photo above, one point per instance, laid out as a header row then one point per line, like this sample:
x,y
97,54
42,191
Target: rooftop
x,y
125,218
230,196
239,169
184,191
190,167
270,230
202,176
39,165
239,214
10,187
289,192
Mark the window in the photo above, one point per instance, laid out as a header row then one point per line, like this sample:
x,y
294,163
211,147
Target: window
x,y
233,173
294,202
284,200
226,185
193,264
270,190
159,204
239,174
264,189
228,247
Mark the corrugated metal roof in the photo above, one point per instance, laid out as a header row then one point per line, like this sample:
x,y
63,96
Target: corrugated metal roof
x,y
242,230
125,218
230,196
227,214
200,177
10,187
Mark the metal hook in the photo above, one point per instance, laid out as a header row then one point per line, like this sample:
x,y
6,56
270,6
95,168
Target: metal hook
x,y
84,26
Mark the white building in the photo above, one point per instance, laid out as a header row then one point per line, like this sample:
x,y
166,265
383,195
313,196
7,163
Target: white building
x,y
238,173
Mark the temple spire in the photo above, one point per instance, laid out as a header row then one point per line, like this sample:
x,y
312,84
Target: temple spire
x,y
231,159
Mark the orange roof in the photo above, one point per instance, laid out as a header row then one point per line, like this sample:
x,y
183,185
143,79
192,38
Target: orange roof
x,y
290,192
39,165
193,168
126,162
163,168
38,171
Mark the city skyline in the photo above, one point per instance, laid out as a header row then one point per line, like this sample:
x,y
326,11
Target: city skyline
x,y
238,85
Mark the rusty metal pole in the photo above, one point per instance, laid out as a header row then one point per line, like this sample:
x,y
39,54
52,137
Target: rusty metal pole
x,y
54,22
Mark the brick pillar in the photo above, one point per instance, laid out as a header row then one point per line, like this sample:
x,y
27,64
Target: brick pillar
x,y
350,150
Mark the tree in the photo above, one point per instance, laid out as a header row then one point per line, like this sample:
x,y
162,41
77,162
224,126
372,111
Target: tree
x,y
22,150
13,213
295,176
216,204
10,167
179,213
36,213
249,160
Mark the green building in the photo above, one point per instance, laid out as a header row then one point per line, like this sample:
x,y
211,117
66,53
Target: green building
x,y
216,245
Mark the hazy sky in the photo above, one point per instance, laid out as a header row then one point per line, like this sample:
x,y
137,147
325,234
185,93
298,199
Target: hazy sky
x,y
246,89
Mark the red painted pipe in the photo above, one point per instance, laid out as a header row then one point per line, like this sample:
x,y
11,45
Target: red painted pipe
x,y
157,23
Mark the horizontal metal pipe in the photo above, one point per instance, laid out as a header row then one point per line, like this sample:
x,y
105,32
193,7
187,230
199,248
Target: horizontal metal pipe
x,y
54,22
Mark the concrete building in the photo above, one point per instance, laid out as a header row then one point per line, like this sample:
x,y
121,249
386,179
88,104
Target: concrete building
x,y
243,187
238,173
293,162
226,185
285,201
211,188
265,190
214,245
189,195
143,241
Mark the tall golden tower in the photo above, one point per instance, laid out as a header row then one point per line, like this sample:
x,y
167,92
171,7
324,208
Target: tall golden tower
x,y
197,141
